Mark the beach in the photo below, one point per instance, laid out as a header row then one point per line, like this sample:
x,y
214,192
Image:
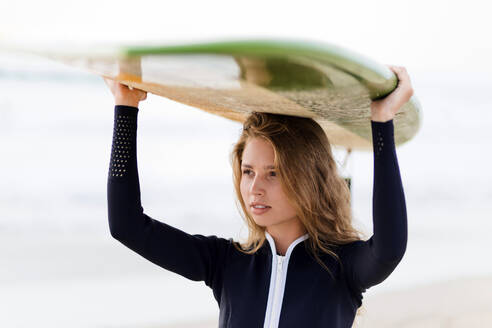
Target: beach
x,y
59,266
464,303
460,303
103,284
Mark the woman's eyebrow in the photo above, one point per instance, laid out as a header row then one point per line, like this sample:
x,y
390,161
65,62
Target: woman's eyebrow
x,y
265,167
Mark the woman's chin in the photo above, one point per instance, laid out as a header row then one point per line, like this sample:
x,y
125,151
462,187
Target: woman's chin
x,y
260,220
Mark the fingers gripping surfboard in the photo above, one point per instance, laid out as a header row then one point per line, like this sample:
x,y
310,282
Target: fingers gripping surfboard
x,y
331,85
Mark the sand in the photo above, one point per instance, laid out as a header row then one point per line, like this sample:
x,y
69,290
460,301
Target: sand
x,y
464,302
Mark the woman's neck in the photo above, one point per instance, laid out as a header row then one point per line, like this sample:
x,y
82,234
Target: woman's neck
x,y
285,234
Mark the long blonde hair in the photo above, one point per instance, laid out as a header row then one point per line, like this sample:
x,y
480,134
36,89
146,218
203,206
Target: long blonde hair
x,y
309,177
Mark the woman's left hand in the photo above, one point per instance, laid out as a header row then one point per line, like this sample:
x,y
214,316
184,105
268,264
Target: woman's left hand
x,y
384,109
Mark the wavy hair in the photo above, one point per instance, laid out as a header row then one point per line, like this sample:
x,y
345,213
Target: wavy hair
x,y
309,177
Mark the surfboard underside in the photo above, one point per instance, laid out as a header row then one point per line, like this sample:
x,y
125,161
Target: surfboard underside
x,y
331,85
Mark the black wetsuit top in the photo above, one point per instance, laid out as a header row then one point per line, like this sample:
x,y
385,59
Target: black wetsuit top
x,y
264,289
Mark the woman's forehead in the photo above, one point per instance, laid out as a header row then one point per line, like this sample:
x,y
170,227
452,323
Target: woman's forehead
x,y
258,145
258,153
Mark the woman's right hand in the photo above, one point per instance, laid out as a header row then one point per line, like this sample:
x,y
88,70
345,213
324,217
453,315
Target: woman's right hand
x,y
123,95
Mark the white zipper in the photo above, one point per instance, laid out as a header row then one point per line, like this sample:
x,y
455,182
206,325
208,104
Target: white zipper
x,y
277,281
276,298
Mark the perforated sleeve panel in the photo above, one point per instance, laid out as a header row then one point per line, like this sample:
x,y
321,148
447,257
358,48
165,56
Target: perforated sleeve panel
x,y
124,140
378,142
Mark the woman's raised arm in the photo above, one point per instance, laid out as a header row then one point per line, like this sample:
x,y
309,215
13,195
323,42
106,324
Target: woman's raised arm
x,y
368,263
195,257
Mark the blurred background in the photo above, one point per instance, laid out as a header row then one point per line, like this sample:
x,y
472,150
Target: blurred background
x,y
59,266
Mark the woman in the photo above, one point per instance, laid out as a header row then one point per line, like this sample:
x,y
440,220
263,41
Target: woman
x,y
303,265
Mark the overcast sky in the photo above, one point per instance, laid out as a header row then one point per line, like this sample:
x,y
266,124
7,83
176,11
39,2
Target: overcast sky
x,y
420,35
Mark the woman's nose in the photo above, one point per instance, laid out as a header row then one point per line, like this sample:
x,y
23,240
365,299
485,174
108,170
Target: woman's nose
x,y
256,186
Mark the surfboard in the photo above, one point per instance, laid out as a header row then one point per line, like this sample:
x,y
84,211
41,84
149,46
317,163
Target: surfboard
x,y
232,78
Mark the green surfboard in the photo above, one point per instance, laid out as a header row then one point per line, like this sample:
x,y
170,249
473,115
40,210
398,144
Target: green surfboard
x,y
232,78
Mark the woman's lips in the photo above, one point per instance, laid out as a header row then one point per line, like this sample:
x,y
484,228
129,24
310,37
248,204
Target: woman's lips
x,y
259,210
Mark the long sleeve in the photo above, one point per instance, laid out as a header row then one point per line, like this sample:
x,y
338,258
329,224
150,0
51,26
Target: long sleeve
x,y
369,262
195,257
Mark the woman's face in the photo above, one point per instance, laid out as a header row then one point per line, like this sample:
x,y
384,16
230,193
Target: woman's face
x,y
260,183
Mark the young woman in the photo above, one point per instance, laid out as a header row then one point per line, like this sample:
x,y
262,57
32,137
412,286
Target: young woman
x,y
303,265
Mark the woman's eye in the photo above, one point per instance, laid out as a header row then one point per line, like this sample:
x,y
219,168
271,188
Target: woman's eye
x,y
247,172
